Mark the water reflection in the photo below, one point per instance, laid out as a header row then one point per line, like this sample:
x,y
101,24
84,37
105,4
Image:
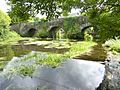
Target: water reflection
x,y
6,54
98,53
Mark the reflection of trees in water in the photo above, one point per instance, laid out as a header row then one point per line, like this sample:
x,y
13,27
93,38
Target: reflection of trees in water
x,y
6,54
10,53
98,53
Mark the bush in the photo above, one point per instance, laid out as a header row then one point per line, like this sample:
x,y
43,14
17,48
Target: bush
x,y
4,25
42,34
113,44
88,37
107,24
72,28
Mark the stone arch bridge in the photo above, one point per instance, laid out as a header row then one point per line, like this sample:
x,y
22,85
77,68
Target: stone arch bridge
x,y
29,29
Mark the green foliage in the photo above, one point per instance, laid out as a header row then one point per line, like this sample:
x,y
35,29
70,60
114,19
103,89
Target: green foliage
x,y
35,59
88,37
5,33
23,70
72,28
52,8
79,48
42,34
52,60
59,34
113,44
9,36
26,70
4,20
23,9
65,13
104,16
34,19
18,12
4,25
107,26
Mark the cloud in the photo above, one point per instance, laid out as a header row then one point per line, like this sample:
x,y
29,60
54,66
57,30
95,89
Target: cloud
x,y
3,6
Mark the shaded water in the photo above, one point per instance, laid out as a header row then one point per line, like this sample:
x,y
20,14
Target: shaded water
x,y
98,53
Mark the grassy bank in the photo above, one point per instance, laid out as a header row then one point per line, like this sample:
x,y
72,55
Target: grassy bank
x,y
113,45
11,38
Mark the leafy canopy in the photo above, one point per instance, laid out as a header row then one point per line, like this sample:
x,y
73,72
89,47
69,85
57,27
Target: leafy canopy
x,y
4,24
53,8
104,15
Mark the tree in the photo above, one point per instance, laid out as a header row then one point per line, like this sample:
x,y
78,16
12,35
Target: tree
x,y
26,8
104,15
4,24
53,8
23,9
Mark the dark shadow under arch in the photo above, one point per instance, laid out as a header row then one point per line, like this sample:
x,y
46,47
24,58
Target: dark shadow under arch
x,y
52,31
31,32
83,30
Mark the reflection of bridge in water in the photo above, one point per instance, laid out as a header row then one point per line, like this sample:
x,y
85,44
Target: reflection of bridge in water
x,y
25,29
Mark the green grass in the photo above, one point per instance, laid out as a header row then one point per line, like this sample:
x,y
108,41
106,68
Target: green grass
x,y
52,60
113,45
23,70
11,38
79,48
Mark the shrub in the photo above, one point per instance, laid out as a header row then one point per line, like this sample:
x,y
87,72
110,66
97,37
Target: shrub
x,y
88,37
113,44
60,34
72,28
42,34
4,25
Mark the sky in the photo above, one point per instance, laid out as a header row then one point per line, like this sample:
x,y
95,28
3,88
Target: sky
x,y
4,7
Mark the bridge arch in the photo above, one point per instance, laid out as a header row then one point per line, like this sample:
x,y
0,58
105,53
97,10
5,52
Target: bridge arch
x,y
31,32
53,30
86,29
